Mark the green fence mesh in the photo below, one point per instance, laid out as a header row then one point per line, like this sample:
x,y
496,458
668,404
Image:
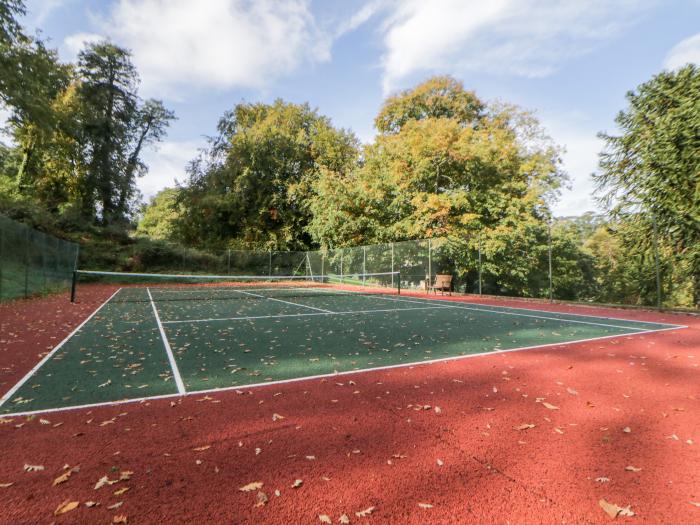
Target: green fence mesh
x,y
32,262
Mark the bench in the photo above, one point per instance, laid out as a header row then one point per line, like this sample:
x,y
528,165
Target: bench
x,y
443,283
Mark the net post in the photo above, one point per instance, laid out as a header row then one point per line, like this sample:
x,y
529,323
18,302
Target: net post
x,y
72,286
398,288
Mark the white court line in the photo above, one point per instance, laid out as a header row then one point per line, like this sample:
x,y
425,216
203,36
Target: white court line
x,y
252,317
285,302
48,356
334,374
450,304
168,350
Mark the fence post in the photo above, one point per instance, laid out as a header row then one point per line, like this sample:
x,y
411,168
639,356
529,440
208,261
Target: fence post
x,y
656,262
430,264
26,262
549,256
479,263
228,262
341,266
323,264
392,264
364,263
269,262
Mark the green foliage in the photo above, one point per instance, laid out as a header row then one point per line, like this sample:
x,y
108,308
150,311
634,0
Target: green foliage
x,y
251,188
159,217
652,169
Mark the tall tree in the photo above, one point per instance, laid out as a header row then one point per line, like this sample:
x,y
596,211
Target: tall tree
x,y
116,129
652,168
251,187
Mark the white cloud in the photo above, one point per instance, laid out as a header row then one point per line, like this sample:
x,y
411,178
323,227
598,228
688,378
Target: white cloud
x,y
76,42
166,165
516,37
216,43
361,16
685,52
576,134
40,10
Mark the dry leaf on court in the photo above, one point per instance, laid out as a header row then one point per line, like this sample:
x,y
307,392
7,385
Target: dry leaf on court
x,y
630,468
344,519
425,505
614,511
66,506
104,480
524,426
297,483
550,406
262,499
255,485
116,505
324,518
121,491
364,513
199,449
63,477
627,430
276,417
33,468
120,518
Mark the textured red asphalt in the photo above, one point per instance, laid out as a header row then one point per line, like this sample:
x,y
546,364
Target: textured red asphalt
x,y
375,439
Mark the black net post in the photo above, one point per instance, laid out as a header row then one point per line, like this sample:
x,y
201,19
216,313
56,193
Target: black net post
x,y
74,282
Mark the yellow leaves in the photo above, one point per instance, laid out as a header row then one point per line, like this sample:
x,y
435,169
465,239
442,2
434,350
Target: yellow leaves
x,y
524,426
325,518
66,506
116,505
200,449
119,519
121,491
630,468
33,468
62,478
425,505
255,485
613,510
6,485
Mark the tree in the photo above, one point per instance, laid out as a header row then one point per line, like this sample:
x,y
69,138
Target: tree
x,y
446,164
115,130
652,168
251,187
159,217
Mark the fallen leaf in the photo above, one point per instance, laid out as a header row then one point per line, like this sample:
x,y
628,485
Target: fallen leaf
x,y
613,510
276,417
364,513
695,503
121,491
630,468
116,505
5,485
125,475
262,499
91,504
33,468
324,518
62,478
120,518
524,426
344,519
297,483
602,479
199,449
550,406
66,506
104,480
425,505
255,485
627,430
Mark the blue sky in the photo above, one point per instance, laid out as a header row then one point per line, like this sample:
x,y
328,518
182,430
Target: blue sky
x,y
569,61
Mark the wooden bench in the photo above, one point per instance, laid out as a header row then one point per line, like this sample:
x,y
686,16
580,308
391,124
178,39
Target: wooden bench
x,y
443,283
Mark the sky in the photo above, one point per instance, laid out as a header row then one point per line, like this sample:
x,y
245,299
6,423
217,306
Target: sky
x,y
571,62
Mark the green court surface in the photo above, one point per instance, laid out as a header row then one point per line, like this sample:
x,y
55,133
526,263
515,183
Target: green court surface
x,y
153,342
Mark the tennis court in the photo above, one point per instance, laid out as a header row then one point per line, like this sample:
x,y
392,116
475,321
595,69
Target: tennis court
x,y
157,341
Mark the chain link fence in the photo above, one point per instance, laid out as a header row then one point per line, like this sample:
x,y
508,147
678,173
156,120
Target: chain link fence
x,y
32,262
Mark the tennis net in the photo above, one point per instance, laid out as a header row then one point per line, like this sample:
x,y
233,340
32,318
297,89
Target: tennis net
x,y
146,287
